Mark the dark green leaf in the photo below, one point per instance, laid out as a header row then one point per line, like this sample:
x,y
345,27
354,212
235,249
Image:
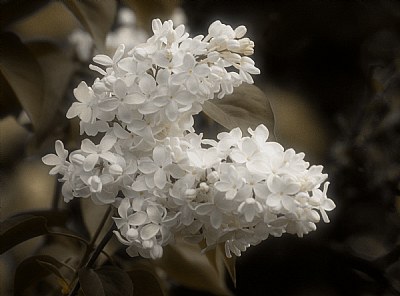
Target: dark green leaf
x,y
11,10
96,17
33,269
20,228
57,69
23,73
247,107
106,281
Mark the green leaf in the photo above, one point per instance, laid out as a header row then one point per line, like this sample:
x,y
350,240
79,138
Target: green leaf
x,y
20,228
145,281
33,269
247,107
23,73
12,11
57,69
25,226
106,281
186,264
96,17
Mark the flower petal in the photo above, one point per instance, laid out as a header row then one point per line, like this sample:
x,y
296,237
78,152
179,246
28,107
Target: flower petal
x,y
149,231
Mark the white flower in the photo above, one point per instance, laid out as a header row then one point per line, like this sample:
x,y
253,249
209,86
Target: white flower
x,y
59,160
97,151
230,182
87,108
236,190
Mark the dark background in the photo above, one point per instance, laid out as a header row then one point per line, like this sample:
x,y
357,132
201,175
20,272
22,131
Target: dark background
x,y
333,66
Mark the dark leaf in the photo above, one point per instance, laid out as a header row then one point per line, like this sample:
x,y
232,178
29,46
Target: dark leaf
x,y
147,10
145,281
96,17
106,281
230,263
247,107
25,226
20,228
57,69
189,267
9,104
33,269
11,10
23,73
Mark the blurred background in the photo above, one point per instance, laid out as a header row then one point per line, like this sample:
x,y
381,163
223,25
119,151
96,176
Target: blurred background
x,y
330,70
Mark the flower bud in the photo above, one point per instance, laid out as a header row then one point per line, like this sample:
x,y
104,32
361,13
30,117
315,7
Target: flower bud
x,y
132,234
115,169
95,183
240,31
204,187
191,193
212,177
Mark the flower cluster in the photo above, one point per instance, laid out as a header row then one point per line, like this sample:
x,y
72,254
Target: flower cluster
x,y
165,179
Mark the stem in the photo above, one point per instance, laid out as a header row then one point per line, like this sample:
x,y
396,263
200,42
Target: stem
x,y
78,238
101,246
92,253
100,228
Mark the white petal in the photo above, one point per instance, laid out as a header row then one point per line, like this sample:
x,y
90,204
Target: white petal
x,y
123,207
159,155
138,218
102,59
147,84
149,231
172,111
51,159
124,114
107,142
135,98
216,219
120,88
109,105
160,179
88,146
82,93
74,110
90,161
147,166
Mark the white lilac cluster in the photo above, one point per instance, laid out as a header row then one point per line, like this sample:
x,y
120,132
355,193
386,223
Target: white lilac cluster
x,y
164,179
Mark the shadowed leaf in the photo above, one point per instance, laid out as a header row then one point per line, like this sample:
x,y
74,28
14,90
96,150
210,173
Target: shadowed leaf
x,y
23,73
147,10
25,226
145,281
247,107
12,11
57,69
230,263
96,17
106,281
33,269
189,267
18,229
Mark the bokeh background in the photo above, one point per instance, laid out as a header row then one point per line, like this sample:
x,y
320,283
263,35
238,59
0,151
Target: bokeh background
x,y
331,72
